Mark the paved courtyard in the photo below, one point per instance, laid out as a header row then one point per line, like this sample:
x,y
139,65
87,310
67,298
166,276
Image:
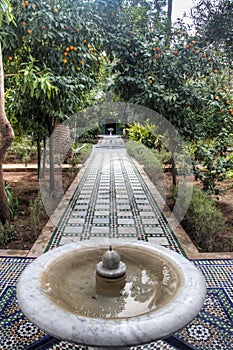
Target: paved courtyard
x,y
112,198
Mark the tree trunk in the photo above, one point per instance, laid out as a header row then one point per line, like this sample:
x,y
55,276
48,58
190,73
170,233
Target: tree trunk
x,y
38,155
6,138
51,127
174,172
51,164
169,16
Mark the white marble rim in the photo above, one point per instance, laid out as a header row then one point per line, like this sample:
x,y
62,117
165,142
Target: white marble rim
x,y
161,323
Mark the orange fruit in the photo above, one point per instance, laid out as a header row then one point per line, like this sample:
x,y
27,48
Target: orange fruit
x,y
150,81
71,48
176,53
75,48
157,49
67,49
84,41
204,55
10,58
65,61
24,24
78,68
43,27
228,102
65,53
29,31
55,10
215,71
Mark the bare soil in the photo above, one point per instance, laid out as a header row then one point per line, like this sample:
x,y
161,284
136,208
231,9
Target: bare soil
x,y
26,185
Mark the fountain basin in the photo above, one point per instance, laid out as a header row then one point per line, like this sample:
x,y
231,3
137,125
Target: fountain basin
x,y
163,293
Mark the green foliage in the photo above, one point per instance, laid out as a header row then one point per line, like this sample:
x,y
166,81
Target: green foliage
x,y
34,82
7,233
163,155
149,160
37,211
54,48
84,153
213,20
12,199
6,11
211,164
80,153
23,149
90,134
203,221
145,134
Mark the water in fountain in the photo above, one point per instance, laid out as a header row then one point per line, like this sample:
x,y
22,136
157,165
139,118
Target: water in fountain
x,y
105,290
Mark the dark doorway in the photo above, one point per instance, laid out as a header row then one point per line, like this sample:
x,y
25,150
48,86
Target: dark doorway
x,y
110,126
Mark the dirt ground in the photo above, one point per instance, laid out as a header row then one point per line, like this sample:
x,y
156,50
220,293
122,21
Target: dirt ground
x,y
26,185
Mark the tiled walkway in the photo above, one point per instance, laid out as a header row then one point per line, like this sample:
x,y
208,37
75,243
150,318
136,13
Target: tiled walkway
x,y
113,200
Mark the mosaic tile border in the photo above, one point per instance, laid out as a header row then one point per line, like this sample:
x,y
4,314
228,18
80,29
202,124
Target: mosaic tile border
x,y
112,199
212,329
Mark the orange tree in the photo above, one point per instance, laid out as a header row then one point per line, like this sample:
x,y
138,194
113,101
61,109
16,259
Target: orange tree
x,y
178,74
51,60
168,71
213,20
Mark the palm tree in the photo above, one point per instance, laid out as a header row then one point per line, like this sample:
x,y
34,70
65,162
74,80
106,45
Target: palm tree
x,y
6,131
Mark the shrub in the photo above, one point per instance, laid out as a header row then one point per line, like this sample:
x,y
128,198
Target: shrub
x,y
151,164
37,211
164,156
90,134
7,233
146,135
203,221
12,199
22,149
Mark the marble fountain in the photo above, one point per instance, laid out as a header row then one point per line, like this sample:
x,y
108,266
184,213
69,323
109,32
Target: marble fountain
x,y
111,295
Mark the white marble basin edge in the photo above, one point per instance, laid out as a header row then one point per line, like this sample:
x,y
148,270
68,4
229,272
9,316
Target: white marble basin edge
x,y
161,323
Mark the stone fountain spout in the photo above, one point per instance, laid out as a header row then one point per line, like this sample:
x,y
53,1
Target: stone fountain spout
x,y
110,274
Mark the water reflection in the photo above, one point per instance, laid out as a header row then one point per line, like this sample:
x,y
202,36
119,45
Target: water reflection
x,y
150,283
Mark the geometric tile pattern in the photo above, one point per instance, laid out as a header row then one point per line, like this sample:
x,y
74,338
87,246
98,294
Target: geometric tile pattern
x,y
113,200
212,329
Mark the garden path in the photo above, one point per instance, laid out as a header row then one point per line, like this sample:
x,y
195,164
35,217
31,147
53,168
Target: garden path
x,y
112,198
